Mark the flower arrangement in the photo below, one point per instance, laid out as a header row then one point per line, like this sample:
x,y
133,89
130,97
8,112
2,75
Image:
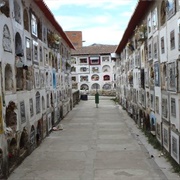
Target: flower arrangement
x,y
53,38
141,32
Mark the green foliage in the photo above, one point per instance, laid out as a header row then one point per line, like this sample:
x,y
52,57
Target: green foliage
x,y
175,165
153,141
115,99
156,144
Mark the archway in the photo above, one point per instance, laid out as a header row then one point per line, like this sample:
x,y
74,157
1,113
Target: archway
x,y
18,45
8,78
23,141
39,132
95,86
26,20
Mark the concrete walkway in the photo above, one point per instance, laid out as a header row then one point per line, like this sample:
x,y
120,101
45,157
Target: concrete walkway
x,y
96,144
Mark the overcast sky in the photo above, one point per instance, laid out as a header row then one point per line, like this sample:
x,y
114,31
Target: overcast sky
x,y
101,21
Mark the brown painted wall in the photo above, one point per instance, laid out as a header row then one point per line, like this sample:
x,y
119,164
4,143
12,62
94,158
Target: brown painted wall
x,y
75,37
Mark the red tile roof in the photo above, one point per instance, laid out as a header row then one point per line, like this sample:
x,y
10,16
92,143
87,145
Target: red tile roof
x,y
44,8
138,15
94,49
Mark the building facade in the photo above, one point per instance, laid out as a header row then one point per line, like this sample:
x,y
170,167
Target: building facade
x,y
35,81
75,37
148,68
93,69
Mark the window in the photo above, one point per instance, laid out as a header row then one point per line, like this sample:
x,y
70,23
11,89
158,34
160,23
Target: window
x,y
7,45
94,61
73,60
37,79
143,97
106,68
43,103
156,74
26,20
172,40
31,107
95,77
106,78
163,76
18,45
35,51
173,107
83,60
42,78
171,76
54,79
5,8
83,78
17,12
84,87
149,51
28,49
9,78
83,69
40,54
73,78
44,33
157,104
106,86
38,103
95,86
73,69
105,59
19,79
155,50
163,13
33,25
174,146
171,8
154,20
165,137
146,78
162,46
95,69
142,78
164,108
22,112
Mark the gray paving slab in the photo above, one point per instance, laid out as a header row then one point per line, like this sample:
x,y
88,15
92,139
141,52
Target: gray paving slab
x,y
95,144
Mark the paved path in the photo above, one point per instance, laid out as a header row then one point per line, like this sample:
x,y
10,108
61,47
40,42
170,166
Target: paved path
x,y
96,144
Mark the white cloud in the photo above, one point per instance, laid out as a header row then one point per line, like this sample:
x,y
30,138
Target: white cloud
x,y
109,33
106,4
104,28
101,19
127,14
70,22
73,22
101,35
